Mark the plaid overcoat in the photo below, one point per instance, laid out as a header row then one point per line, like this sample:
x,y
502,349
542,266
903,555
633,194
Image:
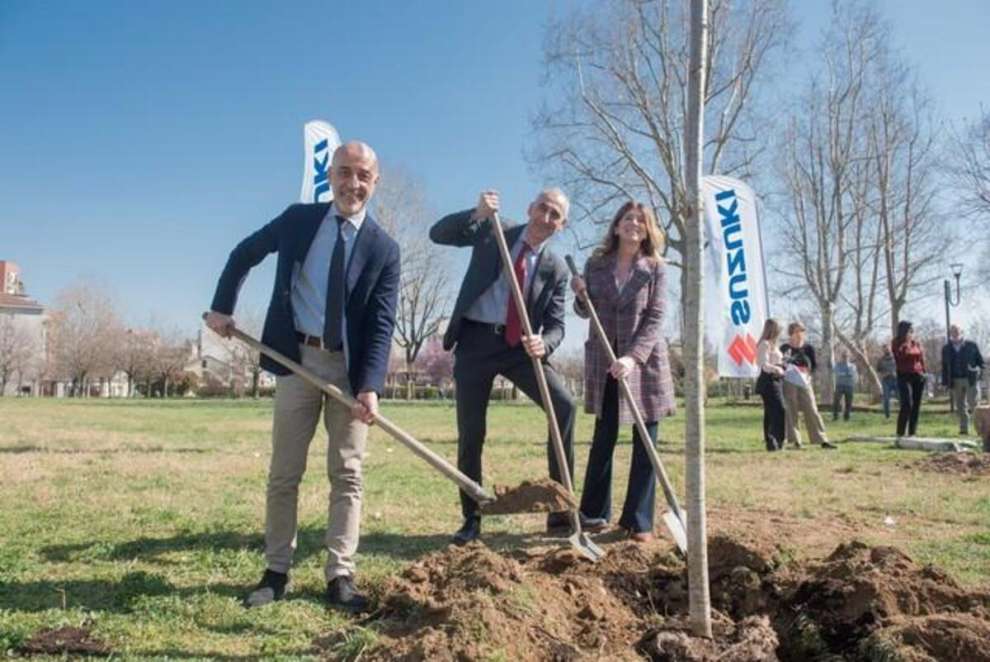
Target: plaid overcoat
x,y
633,322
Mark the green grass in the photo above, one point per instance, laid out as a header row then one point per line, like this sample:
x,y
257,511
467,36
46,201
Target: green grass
x,y
144,519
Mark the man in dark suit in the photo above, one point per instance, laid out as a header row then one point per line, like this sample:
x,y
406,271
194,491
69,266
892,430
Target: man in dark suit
x,y
333,311
486,330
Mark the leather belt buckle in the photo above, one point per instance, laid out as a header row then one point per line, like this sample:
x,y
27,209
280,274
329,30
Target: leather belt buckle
x,y
311,341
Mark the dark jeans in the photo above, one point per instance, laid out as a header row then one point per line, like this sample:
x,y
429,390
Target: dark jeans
x,y
596,498
911,387
843,392
889,385
774,416
481,356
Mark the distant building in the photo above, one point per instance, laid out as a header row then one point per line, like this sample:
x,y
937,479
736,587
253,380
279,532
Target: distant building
x,y
23,326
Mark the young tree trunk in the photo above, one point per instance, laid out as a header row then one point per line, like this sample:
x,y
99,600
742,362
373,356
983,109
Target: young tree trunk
x,y
826,355
694,347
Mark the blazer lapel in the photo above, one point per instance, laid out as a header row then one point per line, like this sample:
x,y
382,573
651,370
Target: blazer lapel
x,y
366,238
637,279
544,272
605,274
308,225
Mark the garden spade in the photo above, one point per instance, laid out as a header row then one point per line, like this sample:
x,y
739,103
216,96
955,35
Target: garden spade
x,y
579,540
470,487
524,498
674,518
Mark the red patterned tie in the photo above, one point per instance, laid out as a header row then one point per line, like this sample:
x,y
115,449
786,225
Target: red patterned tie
x,y
513,325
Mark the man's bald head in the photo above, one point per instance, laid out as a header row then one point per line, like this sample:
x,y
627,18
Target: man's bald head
x,y
353,176
355,149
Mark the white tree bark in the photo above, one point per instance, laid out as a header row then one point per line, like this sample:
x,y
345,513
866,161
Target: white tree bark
x,y
694,434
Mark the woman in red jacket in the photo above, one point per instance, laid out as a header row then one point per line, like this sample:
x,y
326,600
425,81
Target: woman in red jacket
x,y
910,360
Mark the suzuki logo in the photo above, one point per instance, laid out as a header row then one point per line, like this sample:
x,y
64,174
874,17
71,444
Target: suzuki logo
x,y
743,349
321,184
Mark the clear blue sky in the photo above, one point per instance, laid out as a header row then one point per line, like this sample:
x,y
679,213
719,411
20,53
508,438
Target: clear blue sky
x,y
141,140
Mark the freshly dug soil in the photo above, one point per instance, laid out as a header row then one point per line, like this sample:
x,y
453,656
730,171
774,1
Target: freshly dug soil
x,y
966,464
858,603
541,496
64,641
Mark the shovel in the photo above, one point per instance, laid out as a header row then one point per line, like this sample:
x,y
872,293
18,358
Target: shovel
x,y
579,540
470,487
673,518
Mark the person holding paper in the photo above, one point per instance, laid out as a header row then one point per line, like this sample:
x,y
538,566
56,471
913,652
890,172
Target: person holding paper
x,y
799,394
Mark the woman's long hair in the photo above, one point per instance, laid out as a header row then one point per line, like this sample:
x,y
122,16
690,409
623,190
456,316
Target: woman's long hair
x,y
902,330
771,330
652,244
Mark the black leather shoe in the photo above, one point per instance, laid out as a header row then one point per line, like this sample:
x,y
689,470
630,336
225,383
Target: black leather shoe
x,y
593,524
271,588
469,531
828,445
342,595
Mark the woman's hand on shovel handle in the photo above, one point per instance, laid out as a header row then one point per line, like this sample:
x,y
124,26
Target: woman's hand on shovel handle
x,y
579,286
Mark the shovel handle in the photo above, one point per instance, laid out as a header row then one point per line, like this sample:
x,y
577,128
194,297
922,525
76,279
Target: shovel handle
x,y
541,378
470,487
644,435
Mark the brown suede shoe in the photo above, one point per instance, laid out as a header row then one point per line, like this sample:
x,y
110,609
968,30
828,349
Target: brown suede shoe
x,y
642,536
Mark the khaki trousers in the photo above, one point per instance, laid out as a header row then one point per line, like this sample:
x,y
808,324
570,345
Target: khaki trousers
x,y
964,398
297,411
802,400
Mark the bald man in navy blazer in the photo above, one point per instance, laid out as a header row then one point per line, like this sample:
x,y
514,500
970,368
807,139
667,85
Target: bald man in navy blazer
x,y
332,310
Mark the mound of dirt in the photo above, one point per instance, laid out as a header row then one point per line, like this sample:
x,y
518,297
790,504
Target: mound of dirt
x,y
966,464
64,641
857,592
858,603
542,496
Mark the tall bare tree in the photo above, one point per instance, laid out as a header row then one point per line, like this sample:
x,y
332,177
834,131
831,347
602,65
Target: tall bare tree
x,y
862,229
967,168
615,123
824,148
18,349
424,288
171,354
84,326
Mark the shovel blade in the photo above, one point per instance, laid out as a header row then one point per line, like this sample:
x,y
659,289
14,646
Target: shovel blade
x,y
676,528
585,547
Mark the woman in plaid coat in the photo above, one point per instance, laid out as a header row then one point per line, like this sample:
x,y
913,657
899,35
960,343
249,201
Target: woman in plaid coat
x,y
626,282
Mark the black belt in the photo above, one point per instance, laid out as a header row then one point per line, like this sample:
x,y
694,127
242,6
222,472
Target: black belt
x,y
496,329
314,341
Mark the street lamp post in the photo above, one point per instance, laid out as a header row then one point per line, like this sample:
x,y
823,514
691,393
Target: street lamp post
x,y
950,302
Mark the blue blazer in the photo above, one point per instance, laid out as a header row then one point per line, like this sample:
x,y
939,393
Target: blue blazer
x,y
372,289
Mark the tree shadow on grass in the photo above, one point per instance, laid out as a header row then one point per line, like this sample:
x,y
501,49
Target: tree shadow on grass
x,y
156,550
18,450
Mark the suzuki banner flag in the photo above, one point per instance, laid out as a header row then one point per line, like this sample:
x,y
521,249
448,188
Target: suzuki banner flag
x,y
321,140
736,303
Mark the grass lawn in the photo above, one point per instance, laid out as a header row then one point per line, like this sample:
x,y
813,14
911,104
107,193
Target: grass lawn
x,y
143,519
